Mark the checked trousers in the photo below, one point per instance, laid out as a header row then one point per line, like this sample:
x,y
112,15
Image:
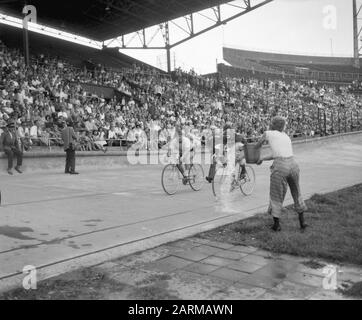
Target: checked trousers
x,y
284,173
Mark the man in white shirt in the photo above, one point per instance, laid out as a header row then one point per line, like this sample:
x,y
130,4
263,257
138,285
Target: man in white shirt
x,y
284,172
34,131
112,134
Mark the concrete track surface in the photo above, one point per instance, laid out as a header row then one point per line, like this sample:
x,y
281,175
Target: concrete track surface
x,y
58,222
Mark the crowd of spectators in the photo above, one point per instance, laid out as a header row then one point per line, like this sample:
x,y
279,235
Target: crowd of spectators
x,y
49,92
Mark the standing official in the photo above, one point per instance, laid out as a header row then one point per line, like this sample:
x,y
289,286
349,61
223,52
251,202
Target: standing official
x,y
70,139
12,145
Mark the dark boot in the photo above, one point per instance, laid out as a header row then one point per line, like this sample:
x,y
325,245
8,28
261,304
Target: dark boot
x,y
17,168
209,180
276,227
243,172
302,223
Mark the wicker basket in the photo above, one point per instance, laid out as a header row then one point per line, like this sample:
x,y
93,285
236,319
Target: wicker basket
x,y
252,153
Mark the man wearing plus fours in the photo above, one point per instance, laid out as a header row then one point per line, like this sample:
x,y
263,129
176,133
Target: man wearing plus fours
x,y
69,137
284,172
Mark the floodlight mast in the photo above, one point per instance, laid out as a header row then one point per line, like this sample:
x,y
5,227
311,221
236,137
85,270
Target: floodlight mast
x,y
356,34
190,31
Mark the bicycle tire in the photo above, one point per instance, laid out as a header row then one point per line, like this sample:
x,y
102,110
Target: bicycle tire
x,y
194,186
218,180
163,179
249,181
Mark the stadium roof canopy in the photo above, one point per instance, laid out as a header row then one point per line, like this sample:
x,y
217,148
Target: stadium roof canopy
x,y
104,19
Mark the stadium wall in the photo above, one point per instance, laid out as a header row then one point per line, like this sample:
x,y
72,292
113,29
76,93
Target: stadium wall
x,y
54,161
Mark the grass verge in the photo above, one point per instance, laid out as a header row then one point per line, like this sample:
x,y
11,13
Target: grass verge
x,y
334,233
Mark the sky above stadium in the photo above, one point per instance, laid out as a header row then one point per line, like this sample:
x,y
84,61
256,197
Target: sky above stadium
x,y
309,27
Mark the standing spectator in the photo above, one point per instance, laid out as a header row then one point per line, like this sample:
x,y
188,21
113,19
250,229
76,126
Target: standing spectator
x,y
284,172
11,143
69,138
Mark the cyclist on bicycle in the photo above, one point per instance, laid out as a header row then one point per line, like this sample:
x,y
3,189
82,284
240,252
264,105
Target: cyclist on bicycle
x,y
183,147
239,152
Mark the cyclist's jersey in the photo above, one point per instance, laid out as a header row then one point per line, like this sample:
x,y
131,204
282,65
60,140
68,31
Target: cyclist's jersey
x,y
180,144
239,147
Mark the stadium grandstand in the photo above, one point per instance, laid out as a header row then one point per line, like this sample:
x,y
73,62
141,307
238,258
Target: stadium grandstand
x,y
321,68
113,99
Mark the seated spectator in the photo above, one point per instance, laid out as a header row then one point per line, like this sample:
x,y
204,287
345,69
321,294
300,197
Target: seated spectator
x,y
33,131
44,137
99,140
90,124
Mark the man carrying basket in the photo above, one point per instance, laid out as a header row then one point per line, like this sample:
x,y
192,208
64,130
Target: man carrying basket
x,y
284,172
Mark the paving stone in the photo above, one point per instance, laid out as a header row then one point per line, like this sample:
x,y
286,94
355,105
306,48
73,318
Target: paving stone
x,y
172,250
306,279
328,295
228,274
277,269
304,269
291,258
348,277
216,261
192,286
220,245
244,249
167,264
131,276
244,266
239,291
119,295
201,268
185,244
261,282
199,240
264,253
232,255
289,291
256,260
207,249
192,255
350,269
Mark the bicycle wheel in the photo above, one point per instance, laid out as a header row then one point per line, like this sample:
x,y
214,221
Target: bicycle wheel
x,y
247,184
196,177
219,180
171,177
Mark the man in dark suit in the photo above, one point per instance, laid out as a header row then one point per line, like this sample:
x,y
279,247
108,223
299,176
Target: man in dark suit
x,y
11,143
69,138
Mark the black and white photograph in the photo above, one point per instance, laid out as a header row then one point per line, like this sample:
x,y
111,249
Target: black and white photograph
x,y
181,156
